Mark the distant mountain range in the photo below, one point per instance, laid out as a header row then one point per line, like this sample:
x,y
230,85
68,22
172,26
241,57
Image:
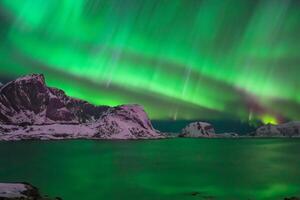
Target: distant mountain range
x,y
31,110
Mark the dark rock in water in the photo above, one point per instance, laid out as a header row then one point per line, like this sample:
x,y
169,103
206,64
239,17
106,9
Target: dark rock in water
x,y
21,191
31,110
290,129
292,198
201,195
195,193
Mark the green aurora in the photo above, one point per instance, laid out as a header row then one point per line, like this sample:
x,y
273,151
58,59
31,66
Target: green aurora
x,y
192,59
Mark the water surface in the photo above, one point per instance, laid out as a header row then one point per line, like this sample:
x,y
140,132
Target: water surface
x,y
168,169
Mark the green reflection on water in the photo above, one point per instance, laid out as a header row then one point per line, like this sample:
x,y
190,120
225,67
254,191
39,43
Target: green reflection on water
x,y
156,169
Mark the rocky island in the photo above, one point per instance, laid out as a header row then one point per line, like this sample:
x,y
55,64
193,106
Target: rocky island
x,y
206,130
31,110
203,130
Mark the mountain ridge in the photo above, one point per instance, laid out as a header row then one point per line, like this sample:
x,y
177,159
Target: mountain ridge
x,y
28,102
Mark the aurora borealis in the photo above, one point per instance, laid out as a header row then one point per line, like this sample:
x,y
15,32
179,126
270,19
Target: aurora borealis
x,y
192,59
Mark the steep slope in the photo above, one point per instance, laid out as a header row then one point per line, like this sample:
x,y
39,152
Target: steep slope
x,y
31,110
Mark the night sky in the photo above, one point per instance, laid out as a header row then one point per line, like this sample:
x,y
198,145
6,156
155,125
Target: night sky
x,y
188,59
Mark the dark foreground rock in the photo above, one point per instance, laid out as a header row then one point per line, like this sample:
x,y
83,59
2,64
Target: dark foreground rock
x,y
291,198
31,110
21,191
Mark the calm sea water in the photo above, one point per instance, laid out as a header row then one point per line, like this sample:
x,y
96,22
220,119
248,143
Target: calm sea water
x,y
220,126
168,169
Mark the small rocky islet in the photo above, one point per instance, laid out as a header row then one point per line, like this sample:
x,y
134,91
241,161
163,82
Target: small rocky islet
x,y
206,130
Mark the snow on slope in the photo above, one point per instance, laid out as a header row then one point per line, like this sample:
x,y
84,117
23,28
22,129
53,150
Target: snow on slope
x,y
31,110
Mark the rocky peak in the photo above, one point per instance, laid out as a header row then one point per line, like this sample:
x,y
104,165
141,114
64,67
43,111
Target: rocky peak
x,y
24,82
28,100
32,78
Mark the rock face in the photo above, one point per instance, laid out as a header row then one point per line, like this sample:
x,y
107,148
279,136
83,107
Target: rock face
x,y
290,129
198,129
31,110
29,101
21,191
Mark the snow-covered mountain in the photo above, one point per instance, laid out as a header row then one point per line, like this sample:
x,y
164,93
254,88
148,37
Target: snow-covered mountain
x,y
31,110
289,129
